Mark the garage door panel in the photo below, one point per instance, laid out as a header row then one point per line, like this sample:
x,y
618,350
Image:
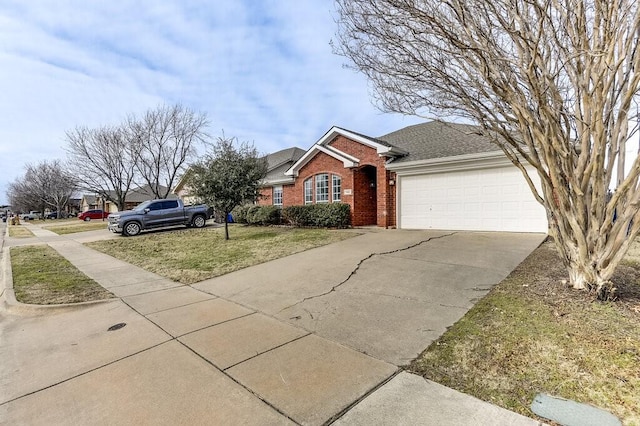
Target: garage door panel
x,y
485,200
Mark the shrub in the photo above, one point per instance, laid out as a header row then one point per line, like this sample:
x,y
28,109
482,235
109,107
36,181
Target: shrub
x,y
334,215
298,215
263,215
239,213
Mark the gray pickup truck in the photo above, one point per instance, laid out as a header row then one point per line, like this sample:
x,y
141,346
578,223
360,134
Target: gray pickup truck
x,y
157,214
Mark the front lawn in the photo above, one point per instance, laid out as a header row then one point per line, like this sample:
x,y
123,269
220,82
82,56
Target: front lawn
x,y
192,255
73,225
19,231
533,334
41,276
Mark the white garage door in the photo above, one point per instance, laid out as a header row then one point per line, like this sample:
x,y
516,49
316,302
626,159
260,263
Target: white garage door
x,y
496,199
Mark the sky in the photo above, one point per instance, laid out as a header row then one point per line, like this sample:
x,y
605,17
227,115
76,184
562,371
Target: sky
x,y
262,71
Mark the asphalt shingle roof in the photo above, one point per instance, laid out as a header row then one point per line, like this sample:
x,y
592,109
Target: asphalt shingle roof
x,y
279,162
435,139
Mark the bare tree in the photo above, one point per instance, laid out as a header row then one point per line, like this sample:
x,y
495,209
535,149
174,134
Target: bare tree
x,y
44,185
552,81
168,137
104,160
228,176
20,197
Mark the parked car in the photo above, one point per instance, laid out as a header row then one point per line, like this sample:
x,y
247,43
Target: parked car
x,y
51,215
157,214
32,215
93,214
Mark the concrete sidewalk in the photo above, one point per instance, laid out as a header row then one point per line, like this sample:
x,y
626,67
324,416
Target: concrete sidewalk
x,y
213,353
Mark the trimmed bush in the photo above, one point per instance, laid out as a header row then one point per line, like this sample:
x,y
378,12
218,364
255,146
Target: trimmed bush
x,y
298,215
334,215
263,215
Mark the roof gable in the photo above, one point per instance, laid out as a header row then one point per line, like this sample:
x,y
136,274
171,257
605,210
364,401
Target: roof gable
x,y
383,148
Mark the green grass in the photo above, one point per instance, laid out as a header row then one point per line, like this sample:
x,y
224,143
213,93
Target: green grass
x,y
73,225
532,334
42,276
192,255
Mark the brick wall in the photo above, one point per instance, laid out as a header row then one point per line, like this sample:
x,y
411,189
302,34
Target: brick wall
x,y
265,196
385,196
370,205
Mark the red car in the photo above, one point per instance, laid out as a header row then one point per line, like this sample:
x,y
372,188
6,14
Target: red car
x,y
93,214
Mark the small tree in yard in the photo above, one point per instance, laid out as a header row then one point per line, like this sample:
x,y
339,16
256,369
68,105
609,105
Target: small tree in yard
x,y
553,82
228,176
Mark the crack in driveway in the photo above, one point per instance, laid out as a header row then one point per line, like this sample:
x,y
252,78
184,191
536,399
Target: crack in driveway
x,y
360,263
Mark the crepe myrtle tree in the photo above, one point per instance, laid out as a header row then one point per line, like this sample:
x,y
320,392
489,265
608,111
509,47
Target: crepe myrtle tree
x,y
229,175
554,83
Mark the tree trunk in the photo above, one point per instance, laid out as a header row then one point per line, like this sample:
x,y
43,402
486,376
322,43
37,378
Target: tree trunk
x,y
589,258
226,226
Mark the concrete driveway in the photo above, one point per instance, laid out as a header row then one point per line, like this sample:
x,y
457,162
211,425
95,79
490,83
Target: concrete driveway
x,y
388,294
308,339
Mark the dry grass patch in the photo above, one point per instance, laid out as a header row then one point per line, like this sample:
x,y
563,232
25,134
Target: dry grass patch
x,y
192,255
19,231
73,225
41,276
532,334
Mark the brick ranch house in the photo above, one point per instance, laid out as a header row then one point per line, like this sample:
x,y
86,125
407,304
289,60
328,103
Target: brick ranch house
x,y
427,176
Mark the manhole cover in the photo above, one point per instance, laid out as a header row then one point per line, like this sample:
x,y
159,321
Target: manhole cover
x,y
117,326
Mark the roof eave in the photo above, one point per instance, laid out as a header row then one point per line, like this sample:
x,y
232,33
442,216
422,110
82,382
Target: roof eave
x,y
479,160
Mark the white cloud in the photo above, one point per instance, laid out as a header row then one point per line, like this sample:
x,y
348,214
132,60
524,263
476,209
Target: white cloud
x,y
262,71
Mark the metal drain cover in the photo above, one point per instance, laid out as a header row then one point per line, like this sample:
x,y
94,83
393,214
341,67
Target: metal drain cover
x,y
117,326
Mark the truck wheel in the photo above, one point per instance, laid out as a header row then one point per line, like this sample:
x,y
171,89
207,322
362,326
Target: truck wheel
x,y
198,221
131,229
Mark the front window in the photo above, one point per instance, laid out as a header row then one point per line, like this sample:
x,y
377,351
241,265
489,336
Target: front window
x,y
336,188
277,195
322,188
308,191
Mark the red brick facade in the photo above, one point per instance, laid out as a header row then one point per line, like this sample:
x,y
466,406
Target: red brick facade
x,y
366,188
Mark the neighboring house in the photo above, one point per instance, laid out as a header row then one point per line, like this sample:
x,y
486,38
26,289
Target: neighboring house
x,y
138,195
88,202
427,176
134,197
183,191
